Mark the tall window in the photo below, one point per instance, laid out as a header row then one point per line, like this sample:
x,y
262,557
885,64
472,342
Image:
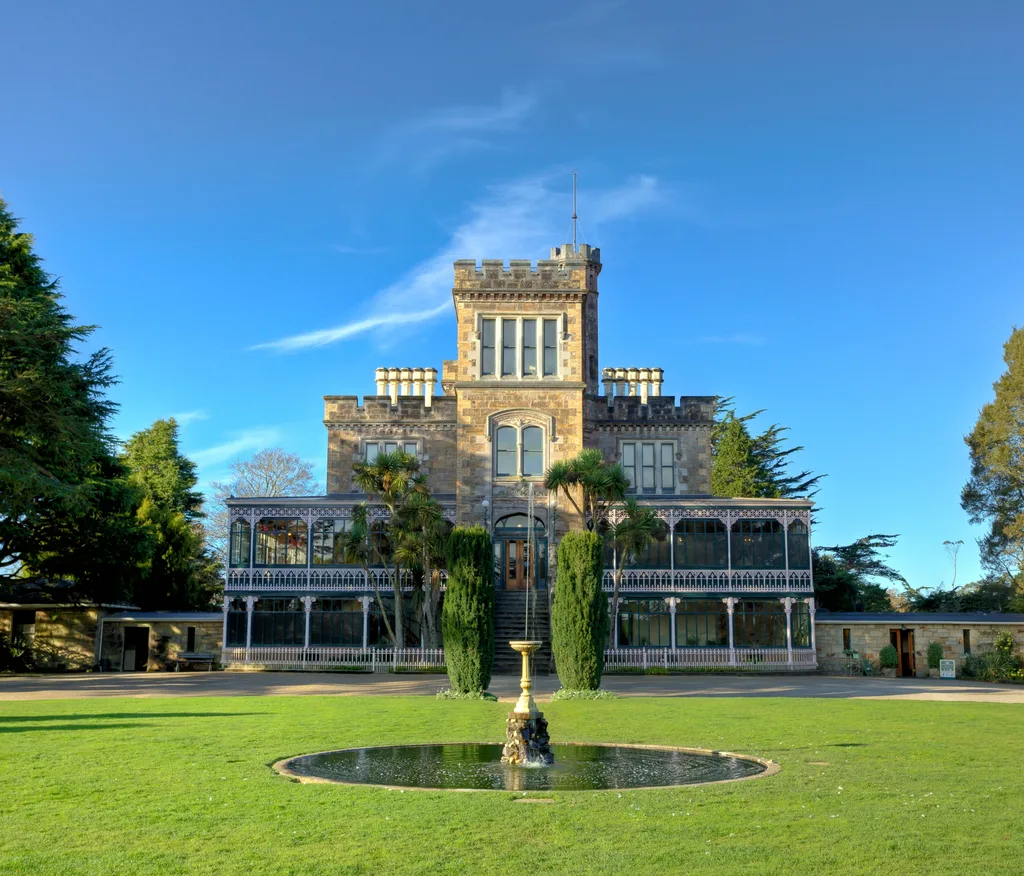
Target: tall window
x,y
280,542
649,466
278,622
846,639
519,453
508,348
487,348
550,347
533,452
799,550
237,622
800,621
241,543
373,449
529,348
655,555
759,624
701,544
506,453
329,541
757,544
967,641
336,622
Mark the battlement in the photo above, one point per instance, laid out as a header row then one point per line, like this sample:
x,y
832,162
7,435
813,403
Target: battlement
x,y
567,270
345,409
691,410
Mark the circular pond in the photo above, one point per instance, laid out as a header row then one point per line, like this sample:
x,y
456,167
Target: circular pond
x,y
469,766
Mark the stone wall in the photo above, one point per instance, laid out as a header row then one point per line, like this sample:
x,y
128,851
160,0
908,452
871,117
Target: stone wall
x,y
167,639
868,639
65,638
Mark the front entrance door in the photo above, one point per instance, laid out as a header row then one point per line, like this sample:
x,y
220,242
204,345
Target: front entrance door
x,y
136,649
903,642
517,564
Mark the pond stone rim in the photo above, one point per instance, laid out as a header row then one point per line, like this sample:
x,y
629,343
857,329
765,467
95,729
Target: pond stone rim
x,y
771,768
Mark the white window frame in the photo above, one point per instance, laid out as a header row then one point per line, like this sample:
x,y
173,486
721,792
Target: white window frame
x,y
558,319
518,474
399,441
659,486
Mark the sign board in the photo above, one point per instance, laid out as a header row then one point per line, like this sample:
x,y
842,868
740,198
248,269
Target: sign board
x,y
947,669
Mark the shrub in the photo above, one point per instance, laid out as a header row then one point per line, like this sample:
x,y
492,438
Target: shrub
x,y
563,694
15,653
1004,644
467,618
934,655
449,694
579,616
889,657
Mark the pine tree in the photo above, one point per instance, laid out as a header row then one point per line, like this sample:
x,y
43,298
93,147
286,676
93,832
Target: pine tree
x,y
994,495
579,617
64,510
156,464
467,615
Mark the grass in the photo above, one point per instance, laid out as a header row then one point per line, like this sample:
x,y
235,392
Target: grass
x,y
183,786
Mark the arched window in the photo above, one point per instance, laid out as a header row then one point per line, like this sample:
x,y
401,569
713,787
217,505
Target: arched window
x,y
533,452
517,523
701,544
519,452
799,547
241,543
757,544
281,541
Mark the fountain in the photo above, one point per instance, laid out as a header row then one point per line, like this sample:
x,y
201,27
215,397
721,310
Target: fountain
x,y
526,729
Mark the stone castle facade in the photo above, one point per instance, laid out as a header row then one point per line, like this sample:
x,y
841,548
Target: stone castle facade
x,y
727,580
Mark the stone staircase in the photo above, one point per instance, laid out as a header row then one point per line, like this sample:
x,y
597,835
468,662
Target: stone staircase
x,y
509,616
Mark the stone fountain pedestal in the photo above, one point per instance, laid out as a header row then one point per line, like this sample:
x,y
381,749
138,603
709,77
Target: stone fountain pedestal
x,y
526,729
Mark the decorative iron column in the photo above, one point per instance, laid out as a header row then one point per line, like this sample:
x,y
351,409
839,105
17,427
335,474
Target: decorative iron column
x,y
307,604
787,604
224,634
730,606
250,602
366,601
673,602
814,643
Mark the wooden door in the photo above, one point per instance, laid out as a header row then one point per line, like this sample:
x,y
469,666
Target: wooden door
x,y
136,649
516,564
907,662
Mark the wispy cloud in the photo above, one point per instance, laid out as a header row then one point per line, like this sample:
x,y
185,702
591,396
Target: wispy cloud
x,y
347,249
517,219
190,417
737,338
250,439
442,133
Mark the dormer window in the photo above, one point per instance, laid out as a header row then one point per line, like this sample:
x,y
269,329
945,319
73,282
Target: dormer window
x,y
528,347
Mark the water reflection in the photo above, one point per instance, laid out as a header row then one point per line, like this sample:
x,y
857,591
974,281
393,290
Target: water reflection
x,y
576,767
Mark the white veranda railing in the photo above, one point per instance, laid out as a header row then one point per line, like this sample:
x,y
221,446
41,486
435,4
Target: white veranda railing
x,y
697,581
749,659
318,657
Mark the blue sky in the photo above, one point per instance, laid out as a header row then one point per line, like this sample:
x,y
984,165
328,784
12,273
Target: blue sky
x,y
813,207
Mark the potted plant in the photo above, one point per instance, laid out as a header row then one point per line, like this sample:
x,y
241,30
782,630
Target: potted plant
x,y
889,658
934,657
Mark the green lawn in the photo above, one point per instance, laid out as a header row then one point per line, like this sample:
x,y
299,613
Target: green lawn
x,y
183,786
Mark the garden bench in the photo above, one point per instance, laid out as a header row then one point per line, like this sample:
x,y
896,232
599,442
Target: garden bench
x,y
191,659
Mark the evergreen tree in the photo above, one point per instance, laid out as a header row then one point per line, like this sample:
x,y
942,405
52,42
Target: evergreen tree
x,y
754,466
180,573
579,617
994,495
63,509
843,575
467,615
165,474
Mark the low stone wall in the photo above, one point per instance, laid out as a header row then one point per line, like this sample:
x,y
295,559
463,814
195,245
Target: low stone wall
x,y
868,639
65,637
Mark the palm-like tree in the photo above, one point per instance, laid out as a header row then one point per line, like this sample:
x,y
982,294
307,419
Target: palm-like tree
x,y
631,535
392,479
421,534
359,550
599,484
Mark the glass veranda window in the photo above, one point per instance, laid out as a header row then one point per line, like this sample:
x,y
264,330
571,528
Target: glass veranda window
x,y
281,542
241,543
799,549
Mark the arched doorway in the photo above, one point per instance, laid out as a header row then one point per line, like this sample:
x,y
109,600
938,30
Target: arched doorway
x,y
513,565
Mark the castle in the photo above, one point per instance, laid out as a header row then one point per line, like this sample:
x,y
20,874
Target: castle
x,y
727,582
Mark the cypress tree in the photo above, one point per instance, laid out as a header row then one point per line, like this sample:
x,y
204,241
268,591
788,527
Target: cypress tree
x,y
467,616
579,617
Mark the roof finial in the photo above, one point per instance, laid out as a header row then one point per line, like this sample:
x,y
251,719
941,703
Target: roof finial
x,y
575,249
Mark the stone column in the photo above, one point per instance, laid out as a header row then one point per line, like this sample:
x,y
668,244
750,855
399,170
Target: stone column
x,y
405,376
730,606
380,377
250,602
632,378
657,378
645,383
307,605
366,601
608,381
393,385
787,604
621,387
417,381
673,603
429,380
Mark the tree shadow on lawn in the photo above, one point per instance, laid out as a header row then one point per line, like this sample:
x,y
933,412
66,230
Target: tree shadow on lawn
x,y
103,716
